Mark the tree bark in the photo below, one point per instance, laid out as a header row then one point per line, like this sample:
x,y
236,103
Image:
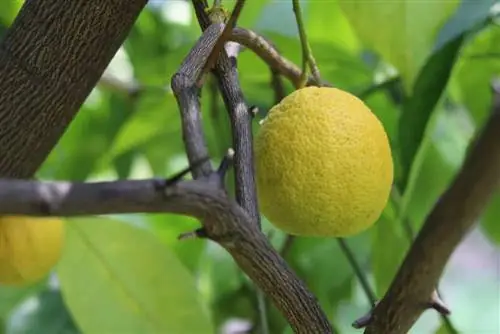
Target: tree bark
x,y
50,60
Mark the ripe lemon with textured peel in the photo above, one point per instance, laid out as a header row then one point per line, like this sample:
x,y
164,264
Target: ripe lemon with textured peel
x,y
323,164
29,248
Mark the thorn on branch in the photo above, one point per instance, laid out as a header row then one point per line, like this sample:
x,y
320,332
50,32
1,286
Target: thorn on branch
x,y
227,161
199,233
162,184
364,320
437,304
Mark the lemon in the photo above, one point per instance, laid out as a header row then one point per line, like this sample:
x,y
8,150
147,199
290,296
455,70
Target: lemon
x,y
29,248
323,164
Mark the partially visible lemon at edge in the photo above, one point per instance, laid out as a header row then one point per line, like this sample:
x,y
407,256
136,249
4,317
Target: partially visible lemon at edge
x,y
323,164
29,248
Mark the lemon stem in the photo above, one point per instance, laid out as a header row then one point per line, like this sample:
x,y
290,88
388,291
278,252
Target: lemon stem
x,y
307,55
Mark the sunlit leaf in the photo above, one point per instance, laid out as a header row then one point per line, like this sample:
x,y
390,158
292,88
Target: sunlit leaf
x,y
325,17
117,278
479,65
401,31
9,10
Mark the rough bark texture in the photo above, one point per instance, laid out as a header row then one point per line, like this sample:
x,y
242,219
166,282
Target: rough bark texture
x,y
50,60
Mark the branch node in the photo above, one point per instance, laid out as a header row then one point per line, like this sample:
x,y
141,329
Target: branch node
x,y
227,161
365,320
437,304
199,233
253,110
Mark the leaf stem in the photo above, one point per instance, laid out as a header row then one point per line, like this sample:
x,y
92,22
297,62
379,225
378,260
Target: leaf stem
x,y
307,55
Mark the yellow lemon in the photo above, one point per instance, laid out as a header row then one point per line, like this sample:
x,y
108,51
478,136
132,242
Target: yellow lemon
x,y
323,164
29,248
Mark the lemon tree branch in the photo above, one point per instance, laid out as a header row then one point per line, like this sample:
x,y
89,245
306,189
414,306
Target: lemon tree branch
x,y
51,58
224,222
269,54
264,265
451,218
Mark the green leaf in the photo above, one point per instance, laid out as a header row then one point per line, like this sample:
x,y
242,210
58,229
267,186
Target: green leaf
x,y
479,63
389,246
418,109
439,159
168,227
11,297
9,10
402,32
155,118
322,18
117,278
324,267
77,153
51,316
253,10
469,14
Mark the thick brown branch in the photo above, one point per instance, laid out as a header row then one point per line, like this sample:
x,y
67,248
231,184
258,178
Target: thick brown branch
x,y
186,92
224,220
450,220
50,59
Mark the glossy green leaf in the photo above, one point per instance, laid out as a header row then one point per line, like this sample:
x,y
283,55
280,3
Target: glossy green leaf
x,y
324,17
397,30
9,10
168,227
418,109
442,153
117,278
479,64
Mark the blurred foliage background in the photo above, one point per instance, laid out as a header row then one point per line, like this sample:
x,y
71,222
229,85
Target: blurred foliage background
x,y
424,67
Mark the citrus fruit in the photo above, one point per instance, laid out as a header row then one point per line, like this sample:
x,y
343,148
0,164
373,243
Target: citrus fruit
x,y
323,164
29,248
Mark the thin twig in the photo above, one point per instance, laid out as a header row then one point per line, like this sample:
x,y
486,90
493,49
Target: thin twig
x,y
277,85
268,53
450,220
307,55
358,271
226,34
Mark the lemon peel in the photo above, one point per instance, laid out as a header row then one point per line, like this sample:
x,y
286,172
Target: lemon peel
x,y
323,164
